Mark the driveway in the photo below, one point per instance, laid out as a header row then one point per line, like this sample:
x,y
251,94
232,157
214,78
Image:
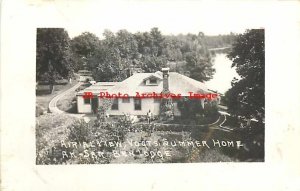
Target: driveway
x,y
53,103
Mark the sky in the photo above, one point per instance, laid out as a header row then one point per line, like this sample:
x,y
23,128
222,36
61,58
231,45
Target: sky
x,y
171,18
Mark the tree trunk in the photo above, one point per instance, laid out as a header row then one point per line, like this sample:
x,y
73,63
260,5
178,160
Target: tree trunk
x,y
51,88
51,77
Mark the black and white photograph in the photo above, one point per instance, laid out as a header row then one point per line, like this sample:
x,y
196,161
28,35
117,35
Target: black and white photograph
x,y
148,97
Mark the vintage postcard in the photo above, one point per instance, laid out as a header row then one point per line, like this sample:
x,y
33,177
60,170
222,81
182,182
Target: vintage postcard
x,y
149,95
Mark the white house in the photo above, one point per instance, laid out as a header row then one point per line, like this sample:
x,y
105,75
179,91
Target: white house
x,y
142,83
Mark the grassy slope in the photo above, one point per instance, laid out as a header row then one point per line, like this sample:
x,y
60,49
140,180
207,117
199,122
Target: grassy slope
x,y
43,100
65,103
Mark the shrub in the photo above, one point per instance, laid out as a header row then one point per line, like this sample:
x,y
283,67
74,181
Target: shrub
x,y
79,131
166,108
210,109
102,110
189,108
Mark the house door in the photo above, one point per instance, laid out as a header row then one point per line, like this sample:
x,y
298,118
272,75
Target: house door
x,y
95,104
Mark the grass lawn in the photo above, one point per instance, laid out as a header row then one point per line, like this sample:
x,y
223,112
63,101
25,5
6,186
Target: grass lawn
x,y
68,102
44,99
65,103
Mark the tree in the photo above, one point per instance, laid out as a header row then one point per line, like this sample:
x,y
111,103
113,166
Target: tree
x,y
150,47
157,41
53,59
197,58
199,66
246,97
84,47
172,45
115,55
112,58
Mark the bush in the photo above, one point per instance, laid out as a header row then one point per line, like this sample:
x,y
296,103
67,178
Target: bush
x,y
189,108
79,131
166,108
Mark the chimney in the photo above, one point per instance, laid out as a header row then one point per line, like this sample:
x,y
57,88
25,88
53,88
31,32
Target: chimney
x,y
165,72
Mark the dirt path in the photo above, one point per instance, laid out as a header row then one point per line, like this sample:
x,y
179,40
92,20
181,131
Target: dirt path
x,y
53,103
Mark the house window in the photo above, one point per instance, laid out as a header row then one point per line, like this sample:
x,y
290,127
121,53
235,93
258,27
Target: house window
x,y
115,104
137,104
87,100
126,100
153,81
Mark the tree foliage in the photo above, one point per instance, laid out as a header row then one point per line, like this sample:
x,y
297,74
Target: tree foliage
x,y
246,97
53,59
220,41
116,53
85,44
200,67
189,108
84,47
113,57
119,52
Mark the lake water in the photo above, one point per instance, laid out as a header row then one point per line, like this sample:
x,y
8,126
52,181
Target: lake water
x,y
221,81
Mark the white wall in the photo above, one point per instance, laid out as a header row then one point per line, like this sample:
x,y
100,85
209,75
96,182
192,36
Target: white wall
x,y
82,107
128,108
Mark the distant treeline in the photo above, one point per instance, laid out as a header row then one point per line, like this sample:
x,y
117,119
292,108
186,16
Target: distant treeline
x,y
220,41
118,55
